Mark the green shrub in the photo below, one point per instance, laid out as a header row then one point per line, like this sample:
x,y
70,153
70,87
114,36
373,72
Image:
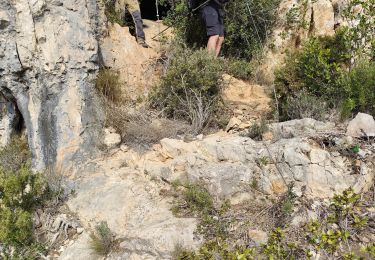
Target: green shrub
x,y
315,70
359,85
195,200
240,69
102,241
361,35
191,86
16,154
305,105
322,76
247,24
20,193
108,84
257,129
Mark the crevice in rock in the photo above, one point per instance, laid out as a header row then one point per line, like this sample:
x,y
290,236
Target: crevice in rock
x,y
18,56
312,22
11,119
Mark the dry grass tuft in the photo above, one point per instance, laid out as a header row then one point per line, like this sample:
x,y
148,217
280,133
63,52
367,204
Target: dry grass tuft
x,y
141,126
102,241
16,154
109,85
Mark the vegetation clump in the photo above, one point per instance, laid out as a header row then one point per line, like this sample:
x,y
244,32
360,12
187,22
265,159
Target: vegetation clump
x,y
320,77
332,234
102,240
21,192
108,84
191,87
16,154
247,23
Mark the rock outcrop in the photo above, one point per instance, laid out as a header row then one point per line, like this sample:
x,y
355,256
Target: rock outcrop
x,y
108,189
296,21
49,58
129,190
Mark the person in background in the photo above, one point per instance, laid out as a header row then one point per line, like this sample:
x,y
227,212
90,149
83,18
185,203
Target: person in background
x,y
213,16
133,7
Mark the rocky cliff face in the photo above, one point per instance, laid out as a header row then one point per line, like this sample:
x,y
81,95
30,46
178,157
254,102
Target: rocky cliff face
x,y
48,59
296,22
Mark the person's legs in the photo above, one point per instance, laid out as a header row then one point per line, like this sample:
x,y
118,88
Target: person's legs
x,y
218,45
212,44
221,30
134,10
215,32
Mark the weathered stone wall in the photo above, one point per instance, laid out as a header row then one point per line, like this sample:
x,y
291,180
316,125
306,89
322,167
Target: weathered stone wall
x,y
48,61
297,21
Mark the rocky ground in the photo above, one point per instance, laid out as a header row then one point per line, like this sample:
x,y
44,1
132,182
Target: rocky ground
x,y
129,190
50,52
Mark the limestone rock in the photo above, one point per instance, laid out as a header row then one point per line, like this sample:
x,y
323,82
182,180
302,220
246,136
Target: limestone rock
x,y
135,212
361,126
324,17
228,164
79,250
49,59
111,138
233,124
258,236
299,127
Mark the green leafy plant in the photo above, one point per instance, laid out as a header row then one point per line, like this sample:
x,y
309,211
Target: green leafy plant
x,y
359,87
195,200
317,79
238,68
20,193
359,15
102,240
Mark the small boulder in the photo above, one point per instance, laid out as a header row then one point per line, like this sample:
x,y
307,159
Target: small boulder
x,y
258,236
111,139
233,124
361,126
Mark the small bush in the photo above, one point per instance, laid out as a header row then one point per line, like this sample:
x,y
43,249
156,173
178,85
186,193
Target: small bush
x,y
359,85
240,69
257,129
195,200
321,77
315,70
108,84
20,192
305,105
16,154
191,86
102,241
247,24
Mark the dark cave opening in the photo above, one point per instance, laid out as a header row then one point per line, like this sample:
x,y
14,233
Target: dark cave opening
x,y
150,9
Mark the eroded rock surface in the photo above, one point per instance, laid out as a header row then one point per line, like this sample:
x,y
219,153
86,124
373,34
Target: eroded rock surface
x,y
130,203
124,188
49,54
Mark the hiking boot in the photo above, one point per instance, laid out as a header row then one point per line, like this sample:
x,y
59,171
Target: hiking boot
x,y
143,43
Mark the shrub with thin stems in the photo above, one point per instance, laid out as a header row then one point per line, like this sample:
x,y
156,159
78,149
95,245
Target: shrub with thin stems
x,y
191,86
102,240
109,85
